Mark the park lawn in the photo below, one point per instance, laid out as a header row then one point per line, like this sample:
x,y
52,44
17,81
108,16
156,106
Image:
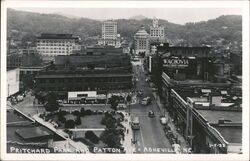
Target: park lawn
x,y
91,121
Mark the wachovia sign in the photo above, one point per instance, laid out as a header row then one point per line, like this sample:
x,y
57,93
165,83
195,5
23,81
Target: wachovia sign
x,y
175,63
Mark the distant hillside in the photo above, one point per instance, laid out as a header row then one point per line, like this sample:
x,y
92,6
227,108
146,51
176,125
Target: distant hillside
x,y
227,28
35,23
138,17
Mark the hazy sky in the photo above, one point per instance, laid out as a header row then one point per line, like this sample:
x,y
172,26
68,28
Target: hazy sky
x,y
175,15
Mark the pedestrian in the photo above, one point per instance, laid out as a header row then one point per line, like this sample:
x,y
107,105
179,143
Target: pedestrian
x,y
127,131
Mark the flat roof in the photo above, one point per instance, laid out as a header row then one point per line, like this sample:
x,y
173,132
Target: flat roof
x,y
232,134
57,36
12,117
214,116
23,130
80,75
33,133
207,104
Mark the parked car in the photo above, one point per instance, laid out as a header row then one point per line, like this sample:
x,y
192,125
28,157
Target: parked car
x,y
176,148
19,98
121,106
139,93
151,113
166,128
163,120
146,101
169,134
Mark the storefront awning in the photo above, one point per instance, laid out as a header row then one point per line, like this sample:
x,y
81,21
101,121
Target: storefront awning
x,y
74,98
205,90
90,98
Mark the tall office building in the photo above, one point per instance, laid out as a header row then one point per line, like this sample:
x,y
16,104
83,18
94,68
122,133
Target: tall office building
x,y
156,32
141,40
109,34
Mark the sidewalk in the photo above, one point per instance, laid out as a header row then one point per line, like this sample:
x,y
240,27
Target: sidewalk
x,y
127,144
183,143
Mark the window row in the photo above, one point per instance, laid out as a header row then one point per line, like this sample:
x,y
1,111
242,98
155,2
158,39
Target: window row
x,y
81,80
83,88
50,41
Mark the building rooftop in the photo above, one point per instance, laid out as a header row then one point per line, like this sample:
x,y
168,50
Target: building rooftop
x,y
141,32
11,68
72,75
214,116
232,134
22,130
57,36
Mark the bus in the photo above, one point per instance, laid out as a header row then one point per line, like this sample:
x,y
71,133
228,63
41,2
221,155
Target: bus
x,y
135,123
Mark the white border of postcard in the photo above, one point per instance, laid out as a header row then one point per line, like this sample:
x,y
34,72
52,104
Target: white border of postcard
x,y
243,5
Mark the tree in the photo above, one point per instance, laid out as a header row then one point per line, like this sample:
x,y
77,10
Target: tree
x,y
61,118
128,98
51,102
109,121
114,102
70,124
78,120
111,138
90,66
41,96
82,111
91,136
76,113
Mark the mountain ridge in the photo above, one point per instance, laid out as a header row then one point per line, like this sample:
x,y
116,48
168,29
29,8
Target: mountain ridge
x,y
226,27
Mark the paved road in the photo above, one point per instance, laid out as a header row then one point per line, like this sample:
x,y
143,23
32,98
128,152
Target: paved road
x,y
151,134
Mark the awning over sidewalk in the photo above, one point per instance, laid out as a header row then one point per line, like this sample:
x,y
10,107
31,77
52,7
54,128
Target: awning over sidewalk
x,y
74,98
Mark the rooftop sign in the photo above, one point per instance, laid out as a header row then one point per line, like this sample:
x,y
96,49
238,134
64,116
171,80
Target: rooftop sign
x,y
175,63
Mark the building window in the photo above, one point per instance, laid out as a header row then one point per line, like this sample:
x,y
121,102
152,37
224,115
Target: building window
x,y
51,81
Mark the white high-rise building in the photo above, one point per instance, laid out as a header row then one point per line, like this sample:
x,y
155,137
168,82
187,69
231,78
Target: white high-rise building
x,y
51,45
141,40
156,32
109,34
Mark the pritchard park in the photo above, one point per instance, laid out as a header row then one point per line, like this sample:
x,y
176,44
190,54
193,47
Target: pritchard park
x,y
123,83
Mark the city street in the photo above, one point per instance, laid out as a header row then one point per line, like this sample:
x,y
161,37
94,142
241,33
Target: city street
x,y
151,135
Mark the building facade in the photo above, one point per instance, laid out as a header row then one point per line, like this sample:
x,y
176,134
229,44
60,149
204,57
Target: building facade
x,y
51,45
63,81
109,34
210,120
141,41
95,70
13,81
23,60
157,33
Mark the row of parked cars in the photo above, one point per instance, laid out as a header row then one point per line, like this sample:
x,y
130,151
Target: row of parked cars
x,y
173,138
16,99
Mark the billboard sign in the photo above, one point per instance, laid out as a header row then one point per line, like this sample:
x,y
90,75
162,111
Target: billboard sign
x,y
175,63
